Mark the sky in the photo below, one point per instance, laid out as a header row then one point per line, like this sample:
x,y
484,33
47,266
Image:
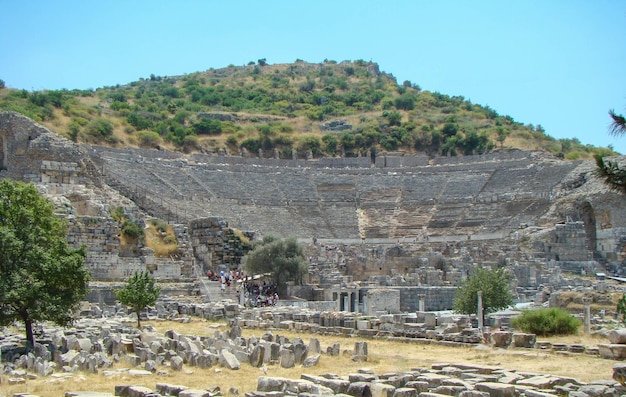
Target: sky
x,y
560,64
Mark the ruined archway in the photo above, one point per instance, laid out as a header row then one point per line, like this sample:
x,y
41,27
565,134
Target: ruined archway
x,y
589,218
4,163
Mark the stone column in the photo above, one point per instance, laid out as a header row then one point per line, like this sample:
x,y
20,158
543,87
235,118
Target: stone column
x,y
421,302
587,305
479,311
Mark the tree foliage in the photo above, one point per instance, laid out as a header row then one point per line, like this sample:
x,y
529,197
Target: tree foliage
x,y
42,278
283,259
613,174
495,288
139,292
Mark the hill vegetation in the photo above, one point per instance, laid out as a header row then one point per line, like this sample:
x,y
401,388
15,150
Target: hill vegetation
x,y
322,109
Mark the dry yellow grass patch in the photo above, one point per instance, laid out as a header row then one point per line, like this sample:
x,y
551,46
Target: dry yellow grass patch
x,y
161,238
384,356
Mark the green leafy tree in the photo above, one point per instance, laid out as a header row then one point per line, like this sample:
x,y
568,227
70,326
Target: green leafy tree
x,y
613,174
283,259
494,285
139,292
502,133
41,277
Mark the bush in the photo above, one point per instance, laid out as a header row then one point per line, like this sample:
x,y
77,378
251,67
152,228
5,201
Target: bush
x,y
99,128
149,138
547,322
132,230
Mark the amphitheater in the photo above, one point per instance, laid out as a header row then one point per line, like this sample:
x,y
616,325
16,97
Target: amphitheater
x,y
408,224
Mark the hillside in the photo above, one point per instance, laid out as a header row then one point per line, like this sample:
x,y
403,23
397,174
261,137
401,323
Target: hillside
x,y
320,110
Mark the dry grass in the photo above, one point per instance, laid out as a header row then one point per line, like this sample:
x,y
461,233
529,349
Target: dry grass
x,y
163,241
384,356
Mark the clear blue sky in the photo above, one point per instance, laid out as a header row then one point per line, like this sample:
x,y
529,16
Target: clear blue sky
x,y
557,63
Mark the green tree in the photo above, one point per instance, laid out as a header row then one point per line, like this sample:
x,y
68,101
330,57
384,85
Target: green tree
x,y
139,292
42,278
494,285
502,133
283,259
613,174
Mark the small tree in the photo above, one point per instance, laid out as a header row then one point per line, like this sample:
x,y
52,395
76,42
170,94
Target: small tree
x,y
41,277
139,293
494,285
283,259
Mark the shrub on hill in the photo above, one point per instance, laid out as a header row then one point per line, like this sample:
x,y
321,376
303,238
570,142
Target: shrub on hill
x,y
547,322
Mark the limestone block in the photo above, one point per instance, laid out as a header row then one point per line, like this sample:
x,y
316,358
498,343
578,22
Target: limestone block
x,y
496,389
228,360
419,385
359,389
287,358
501,338
382,390
405,392
165,389
617,336
311,361
619,373
176,363
612,351
132,391
524,340
194,393
271,384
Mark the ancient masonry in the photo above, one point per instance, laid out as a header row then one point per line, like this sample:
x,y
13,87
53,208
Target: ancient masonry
x,y
412,225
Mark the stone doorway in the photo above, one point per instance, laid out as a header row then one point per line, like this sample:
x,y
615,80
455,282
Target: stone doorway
x,y
589,219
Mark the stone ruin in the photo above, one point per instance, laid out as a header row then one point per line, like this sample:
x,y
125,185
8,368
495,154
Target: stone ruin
x,y
335,125
100,338
384,235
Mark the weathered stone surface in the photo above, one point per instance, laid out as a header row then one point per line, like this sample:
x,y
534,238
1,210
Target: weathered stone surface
x,y
496,389
382,390
619,373
176,363
311,361
501,338
133,391
287,358
612,351
405,392
359,389
524,340
617,336
194,393
228,360
269,384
